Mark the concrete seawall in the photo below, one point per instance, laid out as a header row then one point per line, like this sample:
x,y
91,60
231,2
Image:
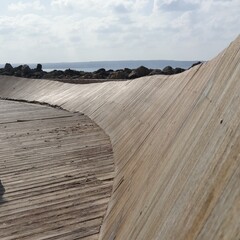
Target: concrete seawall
x,y
176,145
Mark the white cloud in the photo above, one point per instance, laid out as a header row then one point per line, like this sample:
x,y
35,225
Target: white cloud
x,y
79,4
80,30
23,6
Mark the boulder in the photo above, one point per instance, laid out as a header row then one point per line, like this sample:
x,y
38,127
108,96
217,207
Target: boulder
x,y
26,71
70,73
100,71
127,70
55,74
8,69
18,71
87,75
38,75
39,67
100,74
139,72
195,64
178,70
168,70
119,74
109,71
19,68
156,72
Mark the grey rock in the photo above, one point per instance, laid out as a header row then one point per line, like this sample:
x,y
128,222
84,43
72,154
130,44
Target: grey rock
x,y
26,71
100,71
168,70
178,70
18,73
139,72
100,74
195,64
8,69
156,72
39,67
119,74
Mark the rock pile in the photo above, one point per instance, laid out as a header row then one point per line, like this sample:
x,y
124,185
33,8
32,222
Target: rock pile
x,y
22,71
73,75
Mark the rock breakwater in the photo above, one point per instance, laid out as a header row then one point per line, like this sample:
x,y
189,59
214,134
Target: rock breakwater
x,y
74,76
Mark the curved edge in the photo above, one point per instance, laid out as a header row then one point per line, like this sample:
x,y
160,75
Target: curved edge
x,y
54,106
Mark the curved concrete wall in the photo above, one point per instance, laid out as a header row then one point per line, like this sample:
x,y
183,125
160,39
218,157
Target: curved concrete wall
x,y
176,142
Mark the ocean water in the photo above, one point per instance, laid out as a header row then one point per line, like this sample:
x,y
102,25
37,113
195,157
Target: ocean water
x,y
114,65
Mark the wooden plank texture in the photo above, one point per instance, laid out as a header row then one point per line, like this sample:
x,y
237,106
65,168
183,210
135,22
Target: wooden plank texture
x,y
176,144
57,169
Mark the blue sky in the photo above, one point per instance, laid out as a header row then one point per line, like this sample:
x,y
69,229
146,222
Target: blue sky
x,y
33,31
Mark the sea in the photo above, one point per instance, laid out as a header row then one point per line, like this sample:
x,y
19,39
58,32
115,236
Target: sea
x,y
92,66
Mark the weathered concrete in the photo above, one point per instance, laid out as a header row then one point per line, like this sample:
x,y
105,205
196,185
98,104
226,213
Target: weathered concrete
x,y
176,143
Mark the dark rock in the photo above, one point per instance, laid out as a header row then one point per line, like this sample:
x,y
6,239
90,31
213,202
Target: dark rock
x,y
19,68
87,75
8,69
168,70
39,68
195,64
37,75
139,72
100,71
109,72
55,74
127,70
26,71
18,73
100,74
156,72
178,70
95,76
37,72
119,74
69,72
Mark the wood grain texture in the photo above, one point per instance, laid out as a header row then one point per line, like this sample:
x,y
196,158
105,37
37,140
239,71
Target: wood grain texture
x,y
176,143
57,169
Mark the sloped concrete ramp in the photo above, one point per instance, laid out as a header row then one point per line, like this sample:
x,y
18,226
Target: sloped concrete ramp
x,y
176,145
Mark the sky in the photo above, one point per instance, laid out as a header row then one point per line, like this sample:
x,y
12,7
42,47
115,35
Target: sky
x,y
40,31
